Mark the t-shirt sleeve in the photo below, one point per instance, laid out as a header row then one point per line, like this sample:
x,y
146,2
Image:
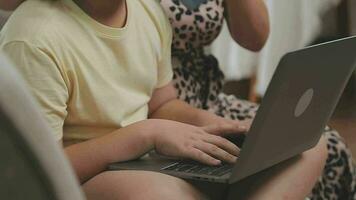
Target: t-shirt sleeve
x,y
165,72
44,79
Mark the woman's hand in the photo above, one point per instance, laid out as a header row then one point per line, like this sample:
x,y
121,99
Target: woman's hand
x,y
191,142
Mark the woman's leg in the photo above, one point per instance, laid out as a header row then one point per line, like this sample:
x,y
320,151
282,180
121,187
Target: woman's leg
x,y
138,185
339,177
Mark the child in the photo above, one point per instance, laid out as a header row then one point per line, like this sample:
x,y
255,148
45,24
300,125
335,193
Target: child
x,y
101,71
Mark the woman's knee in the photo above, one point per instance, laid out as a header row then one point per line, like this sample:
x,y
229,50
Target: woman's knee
x,y
319,150
132,185
318,155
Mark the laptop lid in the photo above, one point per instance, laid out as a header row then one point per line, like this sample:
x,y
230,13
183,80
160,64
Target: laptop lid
x,y
299,101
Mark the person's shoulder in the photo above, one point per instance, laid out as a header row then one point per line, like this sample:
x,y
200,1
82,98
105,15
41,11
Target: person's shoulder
x,y
35,21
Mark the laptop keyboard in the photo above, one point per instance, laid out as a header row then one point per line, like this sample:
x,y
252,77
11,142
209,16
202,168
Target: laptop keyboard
x,y
197,168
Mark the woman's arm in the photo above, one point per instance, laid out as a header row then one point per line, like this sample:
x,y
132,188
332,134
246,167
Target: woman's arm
x,y
248,22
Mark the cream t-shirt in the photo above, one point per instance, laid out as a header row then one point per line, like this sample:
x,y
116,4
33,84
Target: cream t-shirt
x,y
90,79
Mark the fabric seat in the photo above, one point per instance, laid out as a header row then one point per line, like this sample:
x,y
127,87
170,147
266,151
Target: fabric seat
x,y
32,164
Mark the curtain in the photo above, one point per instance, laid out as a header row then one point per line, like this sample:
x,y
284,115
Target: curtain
x,y
294,24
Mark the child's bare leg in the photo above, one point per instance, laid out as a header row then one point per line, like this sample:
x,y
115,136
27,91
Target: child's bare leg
x,y
138,185
290,180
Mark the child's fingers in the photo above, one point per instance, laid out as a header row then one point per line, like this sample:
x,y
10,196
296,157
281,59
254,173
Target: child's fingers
x,y
222,143
245,123
202,157
225,128
216,152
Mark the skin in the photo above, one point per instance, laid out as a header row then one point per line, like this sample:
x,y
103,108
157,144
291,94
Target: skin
x,y
9,5
248,22
168,137
176,129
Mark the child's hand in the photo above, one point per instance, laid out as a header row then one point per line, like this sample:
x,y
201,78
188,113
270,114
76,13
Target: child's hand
x,y
186,141
225,127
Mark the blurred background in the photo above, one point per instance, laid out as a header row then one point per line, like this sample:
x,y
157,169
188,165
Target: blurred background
x,y
294,25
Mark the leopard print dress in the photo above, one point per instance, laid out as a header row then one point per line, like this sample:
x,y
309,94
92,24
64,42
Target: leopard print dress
x,y
199,81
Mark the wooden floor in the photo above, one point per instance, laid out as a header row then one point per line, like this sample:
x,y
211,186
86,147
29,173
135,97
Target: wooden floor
x,y
344,120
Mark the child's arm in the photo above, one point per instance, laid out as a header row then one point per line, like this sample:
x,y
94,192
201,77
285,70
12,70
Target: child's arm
x,y
92,157
166,137
165,105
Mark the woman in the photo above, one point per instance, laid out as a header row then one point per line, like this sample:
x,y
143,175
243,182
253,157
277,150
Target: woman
x,y
199,80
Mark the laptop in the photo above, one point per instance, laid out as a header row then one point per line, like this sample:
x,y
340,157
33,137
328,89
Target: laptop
x,y
299,101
